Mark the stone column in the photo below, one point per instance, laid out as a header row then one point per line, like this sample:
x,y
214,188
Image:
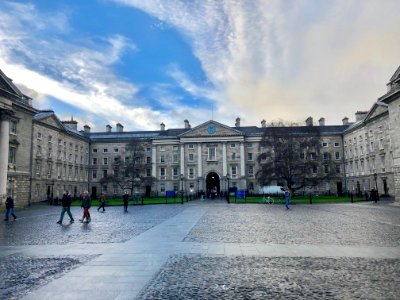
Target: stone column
x,y
199,161
154,162
4,144
224,165
242,170
182,159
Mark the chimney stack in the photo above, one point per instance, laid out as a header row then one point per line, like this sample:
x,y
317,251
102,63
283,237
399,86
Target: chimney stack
x,y
360,115
187,125
263,124
309,121
321,122
71,124
237,124
345,121
120,128
162,126
108,128
86,129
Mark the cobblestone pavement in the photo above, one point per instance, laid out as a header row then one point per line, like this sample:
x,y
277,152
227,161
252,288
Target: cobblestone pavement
x,y
327,224
200,277
38,227
21,274
204,250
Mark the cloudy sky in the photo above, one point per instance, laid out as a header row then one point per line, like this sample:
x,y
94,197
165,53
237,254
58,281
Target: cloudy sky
x,y
144,62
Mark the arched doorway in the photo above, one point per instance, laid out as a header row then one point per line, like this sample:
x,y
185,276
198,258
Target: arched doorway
x,y
213,184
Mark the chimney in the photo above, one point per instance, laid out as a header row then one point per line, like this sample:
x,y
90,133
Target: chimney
x,y
321,122
108,128
120,128
86,129
187,125
309,121
162,126
263,124
345,121
71,124
360,115
237,124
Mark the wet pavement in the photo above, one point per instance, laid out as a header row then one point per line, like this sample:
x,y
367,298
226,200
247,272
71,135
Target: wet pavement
x,y
204,250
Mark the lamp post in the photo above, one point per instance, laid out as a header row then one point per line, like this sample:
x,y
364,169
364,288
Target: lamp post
x,y
198,186
52,190
182,188
376,187
227,192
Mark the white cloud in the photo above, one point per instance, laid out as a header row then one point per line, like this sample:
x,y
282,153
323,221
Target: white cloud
x,y
289,59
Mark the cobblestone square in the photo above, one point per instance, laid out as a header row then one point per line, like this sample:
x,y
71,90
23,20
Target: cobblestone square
x,y
204,250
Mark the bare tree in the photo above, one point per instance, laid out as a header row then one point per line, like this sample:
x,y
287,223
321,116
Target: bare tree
x,y
130,171
291,155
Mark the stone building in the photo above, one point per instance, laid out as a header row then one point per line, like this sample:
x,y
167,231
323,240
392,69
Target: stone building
x,y
40,155
371,145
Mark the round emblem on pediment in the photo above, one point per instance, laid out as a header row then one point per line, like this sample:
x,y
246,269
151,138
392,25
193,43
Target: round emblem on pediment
x,y
211,129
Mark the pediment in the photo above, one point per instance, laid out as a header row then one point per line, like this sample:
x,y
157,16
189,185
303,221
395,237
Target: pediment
x,y
375,111
211,129
52,121
7,85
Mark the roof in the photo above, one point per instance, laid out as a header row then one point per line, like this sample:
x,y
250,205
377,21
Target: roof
x,y
10,90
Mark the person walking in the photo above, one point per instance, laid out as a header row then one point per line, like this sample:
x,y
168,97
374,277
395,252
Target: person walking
x,y
102,202
125,197
86,203
287,198
66,205
9,208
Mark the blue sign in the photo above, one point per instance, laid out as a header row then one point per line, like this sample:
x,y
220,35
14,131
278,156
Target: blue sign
x,y
170,194
241,194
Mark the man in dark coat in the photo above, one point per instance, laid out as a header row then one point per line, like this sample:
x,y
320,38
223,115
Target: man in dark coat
x,y
66,205
86,203
9,208
125,197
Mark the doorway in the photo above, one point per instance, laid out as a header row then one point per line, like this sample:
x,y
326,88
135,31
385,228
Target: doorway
x,y
339,188
94,192
213,185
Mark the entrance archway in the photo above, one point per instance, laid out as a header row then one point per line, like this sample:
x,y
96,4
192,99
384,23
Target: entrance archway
x,y
213,184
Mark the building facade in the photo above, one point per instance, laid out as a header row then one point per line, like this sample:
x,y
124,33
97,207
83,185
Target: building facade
x,y
40,155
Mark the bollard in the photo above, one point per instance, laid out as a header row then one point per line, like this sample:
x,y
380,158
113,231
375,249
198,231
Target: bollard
x,y
351,196
310,199
142,200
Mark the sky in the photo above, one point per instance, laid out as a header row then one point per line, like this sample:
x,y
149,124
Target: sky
x,y
146,62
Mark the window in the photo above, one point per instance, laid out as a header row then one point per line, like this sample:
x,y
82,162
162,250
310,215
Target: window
x,y
302,156
39,150
13,127
212,153
175,148
191,173
104,173
11,155
116,150
249,156
191,157
233,155
162,158
39,136
233,145
325,144
105,150
337,168
337,144
234,171
116,160
148,172
314,169
70,157
162,173
162,187
49,153
337,155
162,148
249,145
148,149
94,150
105,161
190,146
148,159
326,169
326,155
313,156
175,158
38,168
251,171
175,172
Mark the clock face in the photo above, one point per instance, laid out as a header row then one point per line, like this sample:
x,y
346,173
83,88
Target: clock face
x,y
211,129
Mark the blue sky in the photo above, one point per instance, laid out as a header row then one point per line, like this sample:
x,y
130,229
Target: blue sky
x,y
141,63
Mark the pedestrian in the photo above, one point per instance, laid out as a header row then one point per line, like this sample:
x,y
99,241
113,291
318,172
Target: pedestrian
x,y
66,205
102,202
125,197
86,203
9,208
287,198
